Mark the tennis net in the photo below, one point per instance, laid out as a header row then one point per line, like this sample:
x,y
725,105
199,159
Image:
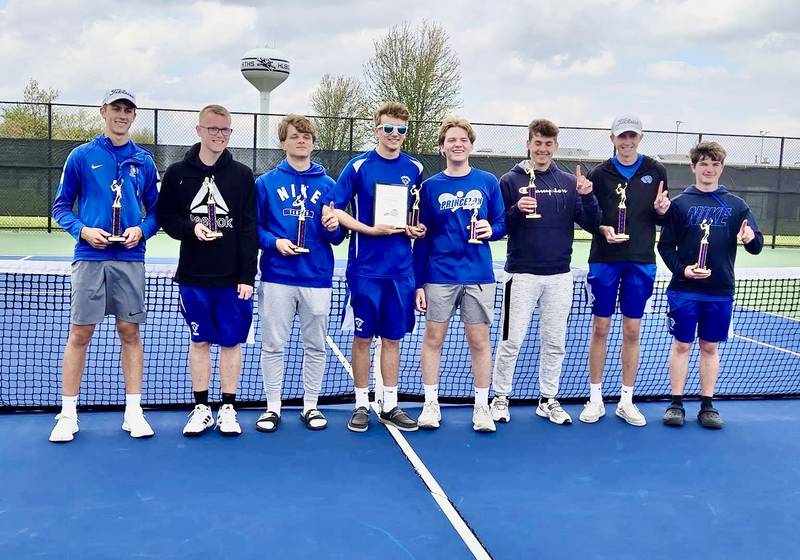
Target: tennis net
x,y
761,357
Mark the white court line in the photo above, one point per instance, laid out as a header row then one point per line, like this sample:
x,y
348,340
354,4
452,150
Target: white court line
x,y
436,491
754,341
26,258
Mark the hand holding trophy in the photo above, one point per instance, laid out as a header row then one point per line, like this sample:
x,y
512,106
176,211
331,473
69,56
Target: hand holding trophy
x,y
702,257
300,202
530,190
620,234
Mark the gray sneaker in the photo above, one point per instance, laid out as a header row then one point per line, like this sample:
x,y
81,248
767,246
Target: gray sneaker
x,y
399,419
359,421
674,416
551,409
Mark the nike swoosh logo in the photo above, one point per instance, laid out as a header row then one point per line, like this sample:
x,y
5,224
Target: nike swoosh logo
x,y
96,166
135,314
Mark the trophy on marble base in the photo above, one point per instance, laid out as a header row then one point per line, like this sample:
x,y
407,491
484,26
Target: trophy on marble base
x,y
211,204
413,214
530,190
300,202
116,213
702,257
620,234
473,222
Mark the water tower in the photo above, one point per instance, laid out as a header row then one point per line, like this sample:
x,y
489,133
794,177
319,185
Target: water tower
x,y
266,69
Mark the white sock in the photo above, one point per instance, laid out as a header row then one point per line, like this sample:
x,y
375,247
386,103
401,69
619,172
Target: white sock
x,y
481,396
133,402
389,398
309,403
626,396
274,406
431,393
362,397
596,392
69,406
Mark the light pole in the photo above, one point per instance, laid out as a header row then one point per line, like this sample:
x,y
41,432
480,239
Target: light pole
x,y
761,153
677,127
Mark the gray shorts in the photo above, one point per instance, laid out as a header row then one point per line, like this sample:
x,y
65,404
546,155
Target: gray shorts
x,y
475,300
101,288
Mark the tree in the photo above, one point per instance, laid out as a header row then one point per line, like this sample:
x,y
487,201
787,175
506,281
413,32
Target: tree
x,y
338,100
29,119
416,66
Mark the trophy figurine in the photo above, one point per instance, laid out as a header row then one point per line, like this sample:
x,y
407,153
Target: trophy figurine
x,y
208,183
116,213
620,235
473,221
413,214
530,190
300,202
703,256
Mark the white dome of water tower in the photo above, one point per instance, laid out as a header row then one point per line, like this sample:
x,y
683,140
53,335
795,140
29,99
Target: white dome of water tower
x,y
265,68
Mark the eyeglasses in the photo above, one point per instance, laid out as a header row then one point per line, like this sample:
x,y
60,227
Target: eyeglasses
x,y
389,128
214,130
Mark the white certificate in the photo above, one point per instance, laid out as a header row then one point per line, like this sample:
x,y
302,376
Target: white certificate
x,y
391,205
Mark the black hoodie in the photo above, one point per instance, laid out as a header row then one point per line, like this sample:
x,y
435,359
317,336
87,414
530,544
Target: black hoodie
x,y
679,244
641,216
544,246
230,259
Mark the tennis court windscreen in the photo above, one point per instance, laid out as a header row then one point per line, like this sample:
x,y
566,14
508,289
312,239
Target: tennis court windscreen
x,y
760,358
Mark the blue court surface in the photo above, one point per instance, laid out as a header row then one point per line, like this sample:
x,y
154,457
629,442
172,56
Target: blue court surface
x,y
530,490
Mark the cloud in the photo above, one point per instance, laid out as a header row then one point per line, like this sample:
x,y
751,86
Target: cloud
x,y
675,70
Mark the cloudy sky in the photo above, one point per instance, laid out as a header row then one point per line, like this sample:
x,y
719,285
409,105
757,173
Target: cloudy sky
x,y
727,66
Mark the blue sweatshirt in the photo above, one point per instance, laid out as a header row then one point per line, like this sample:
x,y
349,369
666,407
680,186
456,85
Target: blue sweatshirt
x,y
544,245
444,255
88,173
277,191
371,256
679,244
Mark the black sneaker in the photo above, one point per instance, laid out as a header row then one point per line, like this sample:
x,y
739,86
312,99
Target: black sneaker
x,y
359,421
674,416
710,418
399,419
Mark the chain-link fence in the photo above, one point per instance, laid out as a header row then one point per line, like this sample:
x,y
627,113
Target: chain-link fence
x,y
35,140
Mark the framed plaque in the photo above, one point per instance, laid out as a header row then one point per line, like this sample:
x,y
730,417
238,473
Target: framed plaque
x,y
391,205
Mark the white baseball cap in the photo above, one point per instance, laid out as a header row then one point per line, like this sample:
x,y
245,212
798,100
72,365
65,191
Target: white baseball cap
x,y
626,123
119,94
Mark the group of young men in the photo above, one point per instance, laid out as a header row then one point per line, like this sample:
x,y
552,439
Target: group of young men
x,y
438,265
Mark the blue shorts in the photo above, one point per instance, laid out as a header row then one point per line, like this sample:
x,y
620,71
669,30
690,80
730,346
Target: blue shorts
x,y
688,315
216,315
633,281
382,306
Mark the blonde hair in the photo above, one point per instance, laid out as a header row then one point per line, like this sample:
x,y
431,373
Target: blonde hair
x,y
455,122
216,109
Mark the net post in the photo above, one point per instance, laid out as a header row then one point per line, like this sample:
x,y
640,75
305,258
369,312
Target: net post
x,y
376,373
352,124
255,141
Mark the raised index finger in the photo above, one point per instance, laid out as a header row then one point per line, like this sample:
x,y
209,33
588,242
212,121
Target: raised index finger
x,y
578,173
660,188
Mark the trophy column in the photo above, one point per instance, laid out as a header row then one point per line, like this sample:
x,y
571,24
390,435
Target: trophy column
x,y
116,213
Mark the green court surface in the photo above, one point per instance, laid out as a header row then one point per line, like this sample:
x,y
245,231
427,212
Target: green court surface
x,y
58,243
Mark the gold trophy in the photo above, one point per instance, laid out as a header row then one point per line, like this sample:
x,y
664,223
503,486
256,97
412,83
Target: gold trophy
x,y
208,183
116,213
300,202
620,235
530,190
413,214
473,222
703,256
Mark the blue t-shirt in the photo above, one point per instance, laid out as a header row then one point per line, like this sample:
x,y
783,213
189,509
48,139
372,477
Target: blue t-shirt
x,y
627,171
444,255
384,256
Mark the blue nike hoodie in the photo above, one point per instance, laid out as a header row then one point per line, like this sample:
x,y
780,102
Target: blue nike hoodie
x,y
88,173
276,192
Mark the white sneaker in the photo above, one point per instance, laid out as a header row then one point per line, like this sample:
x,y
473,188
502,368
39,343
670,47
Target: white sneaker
x,y
134,423
430,417
500,412
65,429
631,414
227,423
551,409
200,419
482,419
592,412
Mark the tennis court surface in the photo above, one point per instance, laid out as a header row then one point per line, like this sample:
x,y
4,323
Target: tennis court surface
x,y
530,489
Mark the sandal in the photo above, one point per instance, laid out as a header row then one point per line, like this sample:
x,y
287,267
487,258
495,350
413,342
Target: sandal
x,y
314,419
710,418
268,422
674,416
